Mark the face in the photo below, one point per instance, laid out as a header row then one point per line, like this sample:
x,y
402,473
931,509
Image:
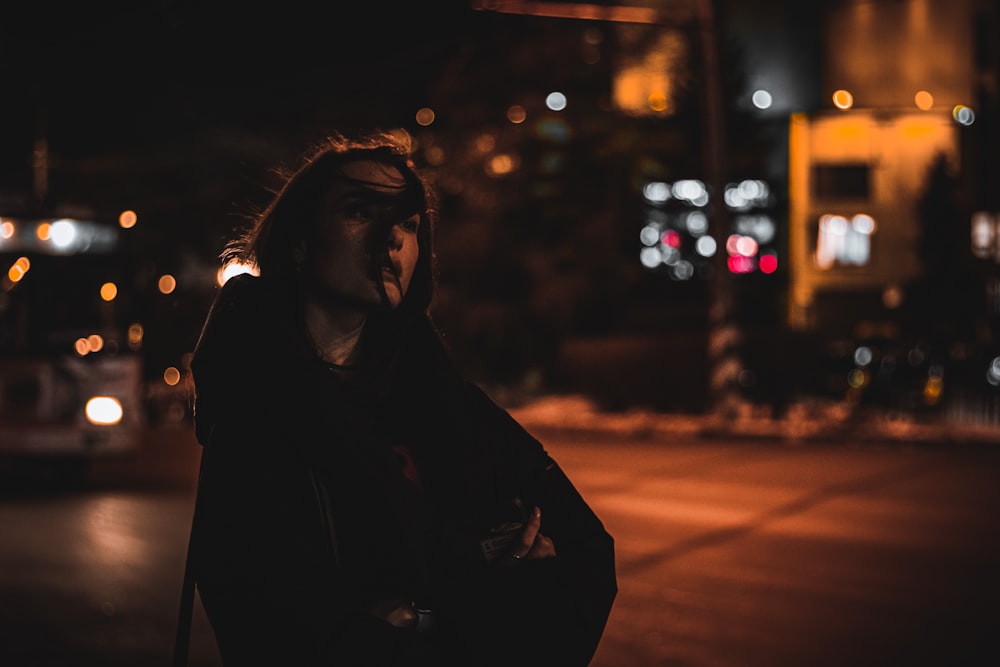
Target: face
x,y
338,256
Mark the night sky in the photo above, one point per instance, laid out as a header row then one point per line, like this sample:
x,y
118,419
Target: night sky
x,y
118,88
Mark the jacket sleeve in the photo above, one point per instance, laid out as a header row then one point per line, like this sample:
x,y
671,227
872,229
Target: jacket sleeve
x,y
557,606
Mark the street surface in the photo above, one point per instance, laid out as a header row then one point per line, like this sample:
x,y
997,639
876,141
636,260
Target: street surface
x,y
741,553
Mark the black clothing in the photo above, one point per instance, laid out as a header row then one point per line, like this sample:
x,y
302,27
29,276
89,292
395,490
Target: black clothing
x,y
409,466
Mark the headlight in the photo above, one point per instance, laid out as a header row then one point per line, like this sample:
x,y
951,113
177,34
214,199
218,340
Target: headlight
x,y
104,410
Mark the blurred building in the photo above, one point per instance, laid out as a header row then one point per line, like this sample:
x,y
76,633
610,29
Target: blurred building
x,y
892,208
850,197
904,86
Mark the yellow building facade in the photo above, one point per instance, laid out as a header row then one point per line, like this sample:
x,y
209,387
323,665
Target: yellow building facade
x,y
854,179
900,82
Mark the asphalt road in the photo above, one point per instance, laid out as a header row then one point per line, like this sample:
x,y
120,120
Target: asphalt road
x,y
739,553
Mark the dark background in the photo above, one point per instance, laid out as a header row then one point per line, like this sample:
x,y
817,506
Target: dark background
x,y
179,110
117,85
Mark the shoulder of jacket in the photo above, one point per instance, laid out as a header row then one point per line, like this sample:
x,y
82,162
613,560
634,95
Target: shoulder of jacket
x,y
241,286
250,294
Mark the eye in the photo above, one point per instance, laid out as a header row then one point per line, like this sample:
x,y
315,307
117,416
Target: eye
x,y
358,212
411,225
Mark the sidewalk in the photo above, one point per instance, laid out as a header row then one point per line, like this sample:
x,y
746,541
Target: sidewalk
x,y
800,424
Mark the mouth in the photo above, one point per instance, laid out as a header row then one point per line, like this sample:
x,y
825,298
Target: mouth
x,y
391,269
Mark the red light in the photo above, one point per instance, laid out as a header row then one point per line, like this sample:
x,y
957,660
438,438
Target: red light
x,y
768,263
741,264
671,238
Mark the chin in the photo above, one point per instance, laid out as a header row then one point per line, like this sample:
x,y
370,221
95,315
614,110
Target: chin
x,y
393,296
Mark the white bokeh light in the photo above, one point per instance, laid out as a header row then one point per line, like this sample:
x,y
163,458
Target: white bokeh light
x,y
555,101
706,246
761,99
62,233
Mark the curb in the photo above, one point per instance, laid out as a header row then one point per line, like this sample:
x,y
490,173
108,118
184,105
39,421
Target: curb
x,y
576,416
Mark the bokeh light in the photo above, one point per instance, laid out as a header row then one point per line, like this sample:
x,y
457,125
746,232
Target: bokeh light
x,y
136,332
166,284
425,116
658,102
104,410
761,99
17,270
516,114
62,234
555,101
768,263
963,115
109,291
171,376
127,219
842,99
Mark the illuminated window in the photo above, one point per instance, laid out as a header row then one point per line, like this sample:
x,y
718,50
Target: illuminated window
x,y
648,82
844,241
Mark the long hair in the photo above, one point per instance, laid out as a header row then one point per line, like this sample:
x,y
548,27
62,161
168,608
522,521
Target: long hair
x,y
268,242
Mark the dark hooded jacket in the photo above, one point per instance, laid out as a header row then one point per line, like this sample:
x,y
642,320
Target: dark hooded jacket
x,y
324,490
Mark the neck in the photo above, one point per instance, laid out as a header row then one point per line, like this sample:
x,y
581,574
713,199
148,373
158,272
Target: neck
x,y
335,334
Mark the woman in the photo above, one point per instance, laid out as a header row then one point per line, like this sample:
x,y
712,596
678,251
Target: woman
x,y
360,502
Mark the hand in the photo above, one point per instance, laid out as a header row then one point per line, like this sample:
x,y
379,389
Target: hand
x,y
395,612
531,544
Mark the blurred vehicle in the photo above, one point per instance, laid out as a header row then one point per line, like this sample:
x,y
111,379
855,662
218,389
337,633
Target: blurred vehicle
x,y
70,362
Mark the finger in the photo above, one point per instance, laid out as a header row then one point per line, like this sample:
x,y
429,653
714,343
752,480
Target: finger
x,y
522,545
402,616
543,547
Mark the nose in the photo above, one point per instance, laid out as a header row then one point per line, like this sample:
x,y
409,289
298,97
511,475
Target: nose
x,y
395,238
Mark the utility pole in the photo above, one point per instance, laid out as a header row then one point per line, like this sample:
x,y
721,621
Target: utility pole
x,y
724,335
